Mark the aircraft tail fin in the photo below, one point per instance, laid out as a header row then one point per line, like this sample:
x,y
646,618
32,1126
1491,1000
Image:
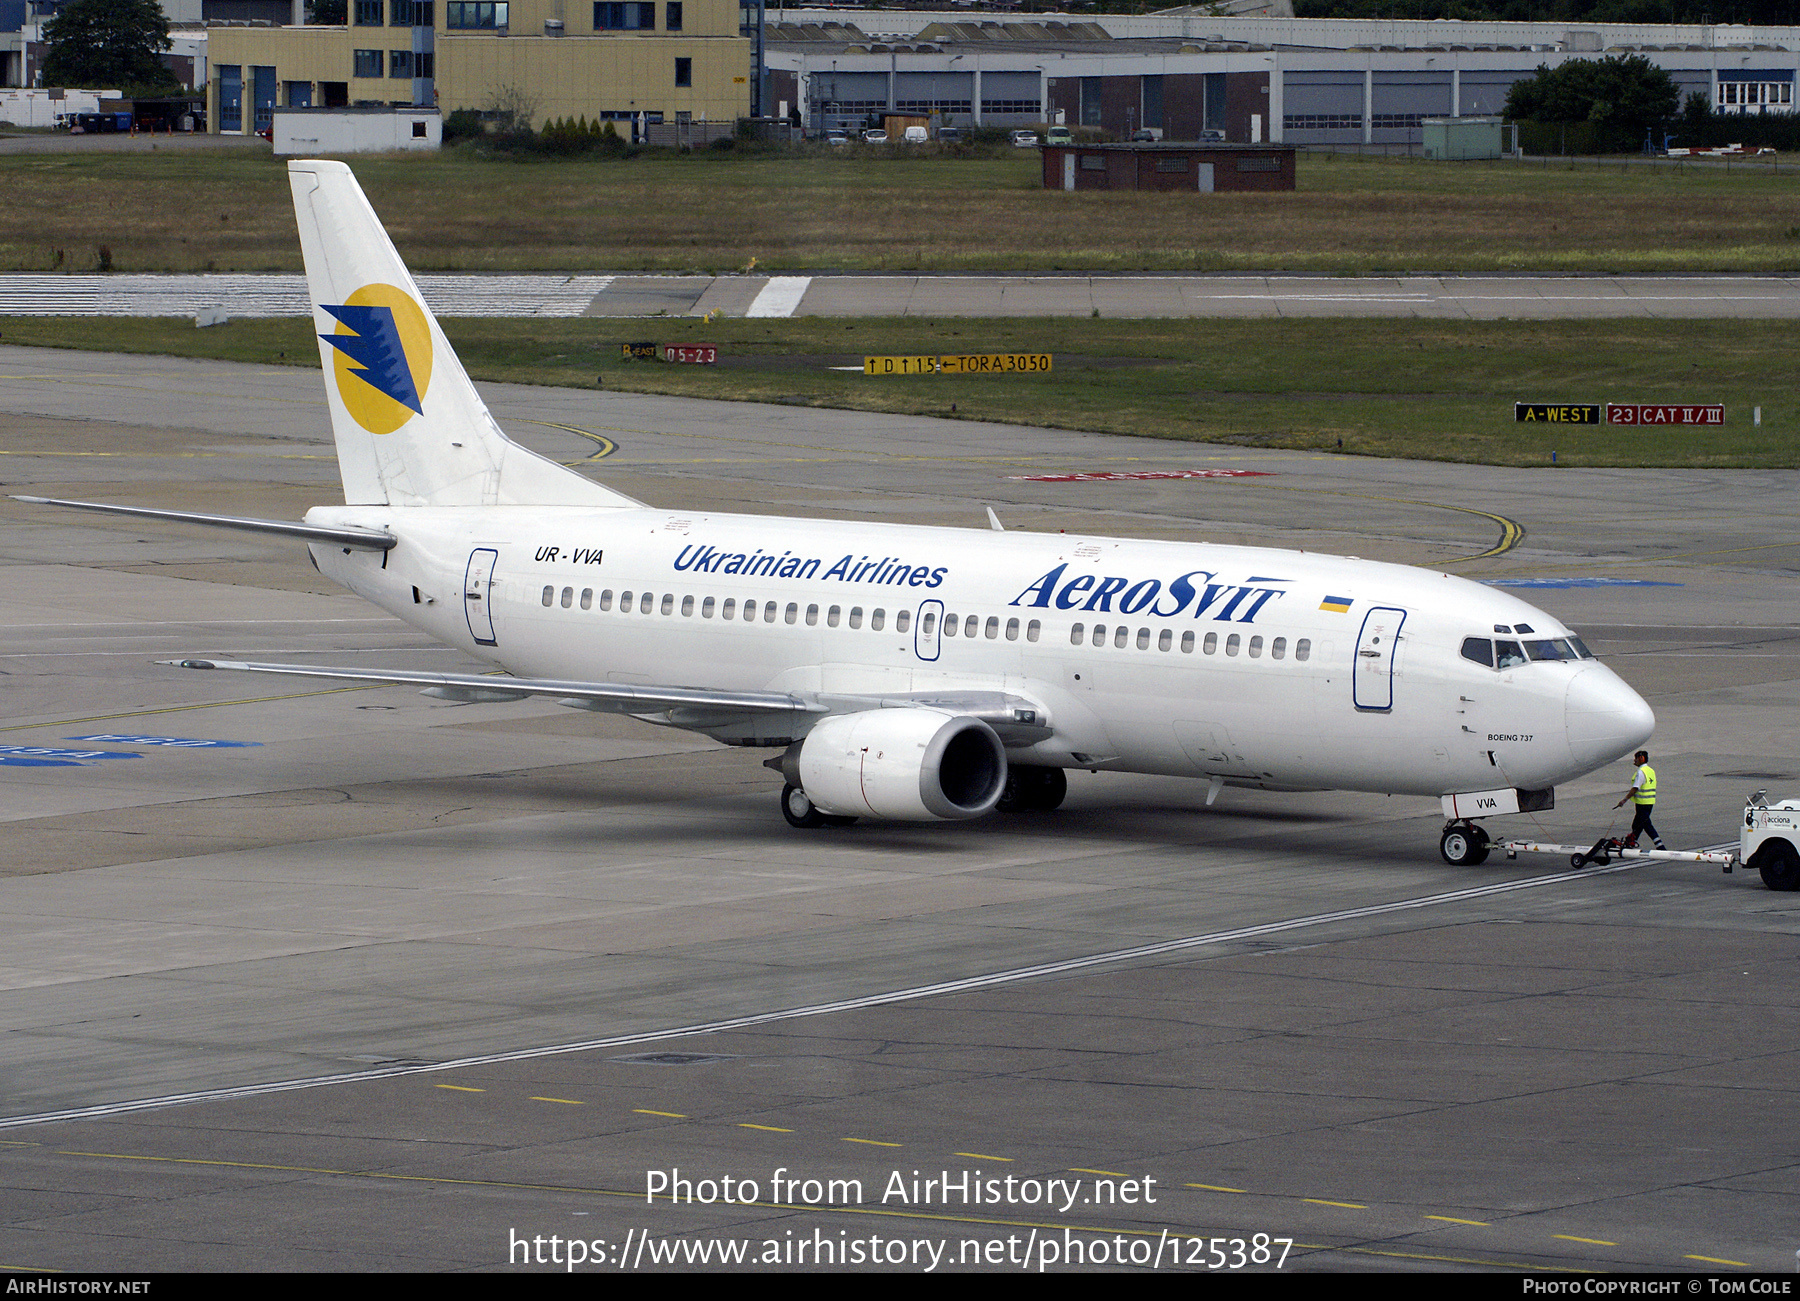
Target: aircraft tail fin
x,y
410,428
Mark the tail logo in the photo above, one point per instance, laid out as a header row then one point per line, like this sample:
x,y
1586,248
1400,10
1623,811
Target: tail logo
x,y
382,358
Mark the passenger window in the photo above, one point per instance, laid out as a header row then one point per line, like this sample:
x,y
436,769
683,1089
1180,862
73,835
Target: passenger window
x,y
668,605
1012,630
587,598
549,595
793,611
879,617
951,623
1256,648
1165,639
1278,648
991,629
833,615
1187,643
1212,643
1121,635
706,608
969,625
768,612
1303,649
812,616
687,607
1143,639
625,602
568,597
1031,630
606,599
856,616
930,622
1478,650
1099,638
1076,633
902,620
1231,644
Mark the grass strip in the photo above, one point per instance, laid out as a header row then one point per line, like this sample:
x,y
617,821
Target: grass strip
x,y
893,210
1429,390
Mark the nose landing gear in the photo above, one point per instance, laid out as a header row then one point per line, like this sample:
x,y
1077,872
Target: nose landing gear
x,y
1464,844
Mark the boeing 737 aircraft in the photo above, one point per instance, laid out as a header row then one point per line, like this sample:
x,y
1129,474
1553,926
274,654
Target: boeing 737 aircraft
x,y
907,672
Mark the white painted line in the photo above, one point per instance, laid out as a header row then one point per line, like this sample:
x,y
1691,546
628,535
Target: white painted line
x,y
964,985
780,296
245,296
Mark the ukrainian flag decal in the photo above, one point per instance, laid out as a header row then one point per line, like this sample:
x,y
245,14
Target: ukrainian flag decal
x,y
382,363
1337,604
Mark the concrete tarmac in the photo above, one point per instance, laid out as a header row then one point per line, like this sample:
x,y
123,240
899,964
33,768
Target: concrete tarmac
x,y
392,983
1475,298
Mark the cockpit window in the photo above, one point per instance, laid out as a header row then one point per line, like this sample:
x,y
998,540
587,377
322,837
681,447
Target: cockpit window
x,y
1499,654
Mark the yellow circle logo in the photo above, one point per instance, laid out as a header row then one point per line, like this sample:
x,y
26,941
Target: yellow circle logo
x,y
382,356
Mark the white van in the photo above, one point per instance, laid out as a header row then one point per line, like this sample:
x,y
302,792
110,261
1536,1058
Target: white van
x,y
915,135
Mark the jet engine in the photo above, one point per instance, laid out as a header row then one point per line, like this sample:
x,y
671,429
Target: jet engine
x,y
904,764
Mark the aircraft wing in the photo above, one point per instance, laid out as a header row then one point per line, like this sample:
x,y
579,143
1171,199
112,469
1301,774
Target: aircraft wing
x,y
479,688
1017,720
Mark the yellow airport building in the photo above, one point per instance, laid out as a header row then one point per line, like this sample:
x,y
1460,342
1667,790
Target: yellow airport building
x,y
646,62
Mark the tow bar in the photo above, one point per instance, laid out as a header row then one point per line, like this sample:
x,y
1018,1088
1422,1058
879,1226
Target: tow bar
x,y
1607,848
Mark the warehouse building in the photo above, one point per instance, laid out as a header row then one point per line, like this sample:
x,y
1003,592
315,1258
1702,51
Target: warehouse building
x,y
1180,73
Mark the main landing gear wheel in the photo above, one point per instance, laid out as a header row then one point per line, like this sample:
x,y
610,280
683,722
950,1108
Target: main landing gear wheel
x,y
801,812
1779,865
1033,789
1464,845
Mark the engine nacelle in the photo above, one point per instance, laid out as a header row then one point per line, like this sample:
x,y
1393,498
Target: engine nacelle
x,y
903,764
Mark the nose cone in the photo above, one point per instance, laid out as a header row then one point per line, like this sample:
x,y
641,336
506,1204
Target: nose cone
x,y
1604,718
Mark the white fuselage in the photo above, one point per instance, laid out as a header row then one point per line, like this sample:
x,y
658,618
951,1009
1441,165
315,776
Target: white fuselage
x,y
1257,667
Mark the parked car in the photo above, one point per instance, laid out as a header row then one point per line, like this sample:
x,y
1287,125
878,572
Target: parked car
x,y
915,135
1024,139
1059,135
949,134
1146,135
1212,137
836,137
875,136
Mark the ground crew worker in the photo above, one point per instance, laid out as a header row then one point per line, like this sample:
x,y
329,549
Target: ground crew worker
x,y
1643,794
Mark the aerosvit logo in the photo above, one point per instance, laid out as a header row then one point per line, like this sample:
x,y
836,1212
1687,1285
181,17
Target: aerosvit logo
x,y
382,362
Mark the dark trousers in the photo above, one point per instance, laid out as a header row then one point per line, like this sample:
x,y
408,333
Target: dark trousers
x,y
1640,823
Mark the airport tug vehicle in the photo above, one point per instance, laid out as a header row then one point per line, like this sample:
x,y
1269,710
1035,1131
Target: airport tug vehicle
x,y
1768,840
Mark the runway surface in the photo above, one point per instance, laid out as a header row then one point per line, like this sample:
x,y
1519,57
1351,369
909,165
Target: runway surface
x,y
1760,297
392,983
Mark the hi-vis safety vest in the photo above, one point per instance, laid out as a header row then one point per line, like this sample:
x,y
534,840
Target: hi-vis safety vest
x,y
1646,787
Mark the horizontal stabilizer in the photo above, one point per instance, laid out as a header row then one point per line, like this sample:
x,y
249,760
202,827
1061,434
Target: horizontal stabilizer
x,y
341,535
